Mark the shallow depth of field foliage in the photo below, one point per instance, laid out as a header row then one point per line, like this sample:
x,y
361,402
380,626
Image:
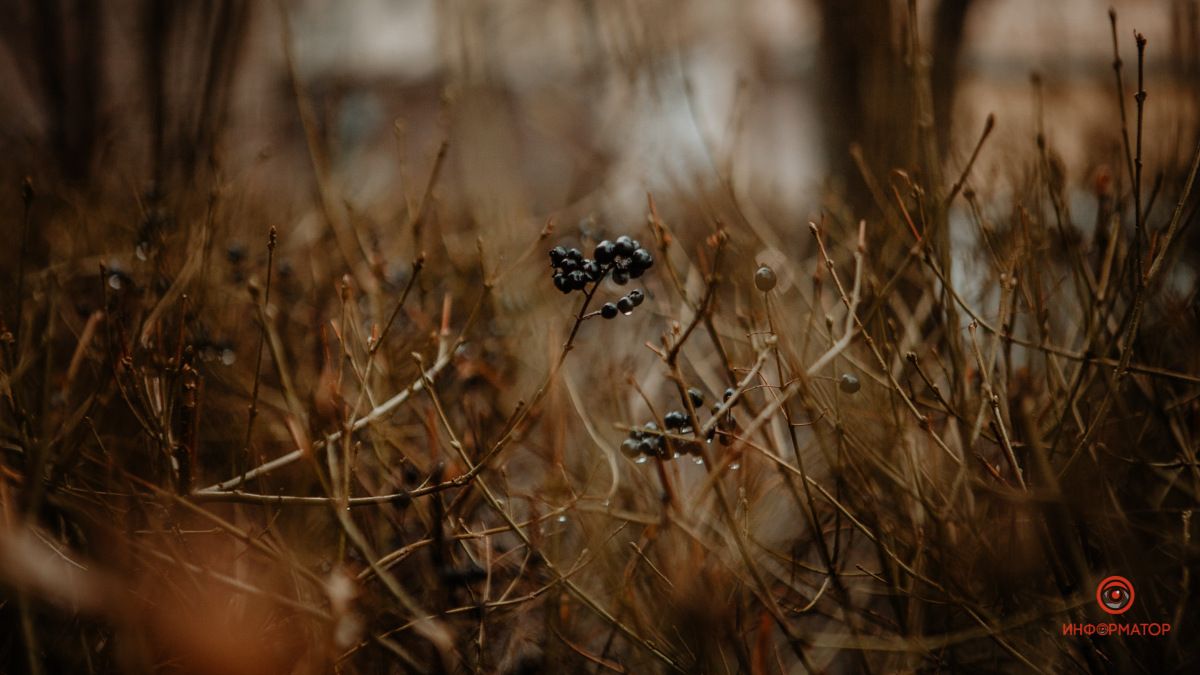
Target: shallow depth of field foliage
x,y
294,378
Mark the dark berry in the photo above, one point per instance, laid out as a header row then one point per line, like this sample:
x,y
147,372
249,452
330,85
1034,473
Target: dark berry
x,y
642,260
568,265
696,395
849,383
577,279
608,311
729,393
561,283
764,279
624,246
636,296
235,253
557,255
645,447
650,426
591,270
605,252
625,305
620,277
629,448
574,254
674,419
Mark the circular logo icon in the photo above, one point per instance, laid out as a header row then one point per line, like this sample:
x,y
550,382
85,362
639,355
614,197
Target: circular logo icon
x,y
1115,595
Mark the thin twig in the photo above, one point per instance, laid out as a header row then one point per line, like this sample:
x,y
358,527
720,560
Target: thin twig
x,y
272,237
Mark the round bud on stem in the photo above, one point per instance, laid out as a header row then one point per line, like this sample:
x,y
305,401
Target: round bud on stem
x,y
849,383
765,279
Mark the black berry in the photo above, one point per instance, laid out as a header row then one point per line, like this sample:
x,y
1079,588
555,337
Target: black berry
x,y
561,283
674,419
557,255
625,305
641,259
696,395
624,246
636,297
591,270
235,253
608,311
620,277
605,252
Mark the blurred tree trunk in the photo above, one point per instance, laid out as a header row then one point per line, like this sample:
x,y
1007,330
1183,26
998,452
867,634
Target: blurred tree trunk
x,y
949,24
66,42
862,80
868,85
61,52
204,40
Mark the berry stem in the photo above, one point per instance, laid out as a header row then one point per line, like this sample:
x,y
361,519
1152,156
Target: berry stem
x,y
523,414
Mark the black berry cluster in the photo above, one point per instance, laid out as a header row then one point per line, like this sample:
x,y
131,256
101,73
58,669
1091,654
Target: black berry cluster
x,y
624,259
645,441
626,256
573,272
648,441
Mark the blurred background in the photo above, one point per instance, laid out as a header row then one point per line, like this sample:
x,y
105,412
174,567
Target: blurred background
x,y
585,105
573,110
